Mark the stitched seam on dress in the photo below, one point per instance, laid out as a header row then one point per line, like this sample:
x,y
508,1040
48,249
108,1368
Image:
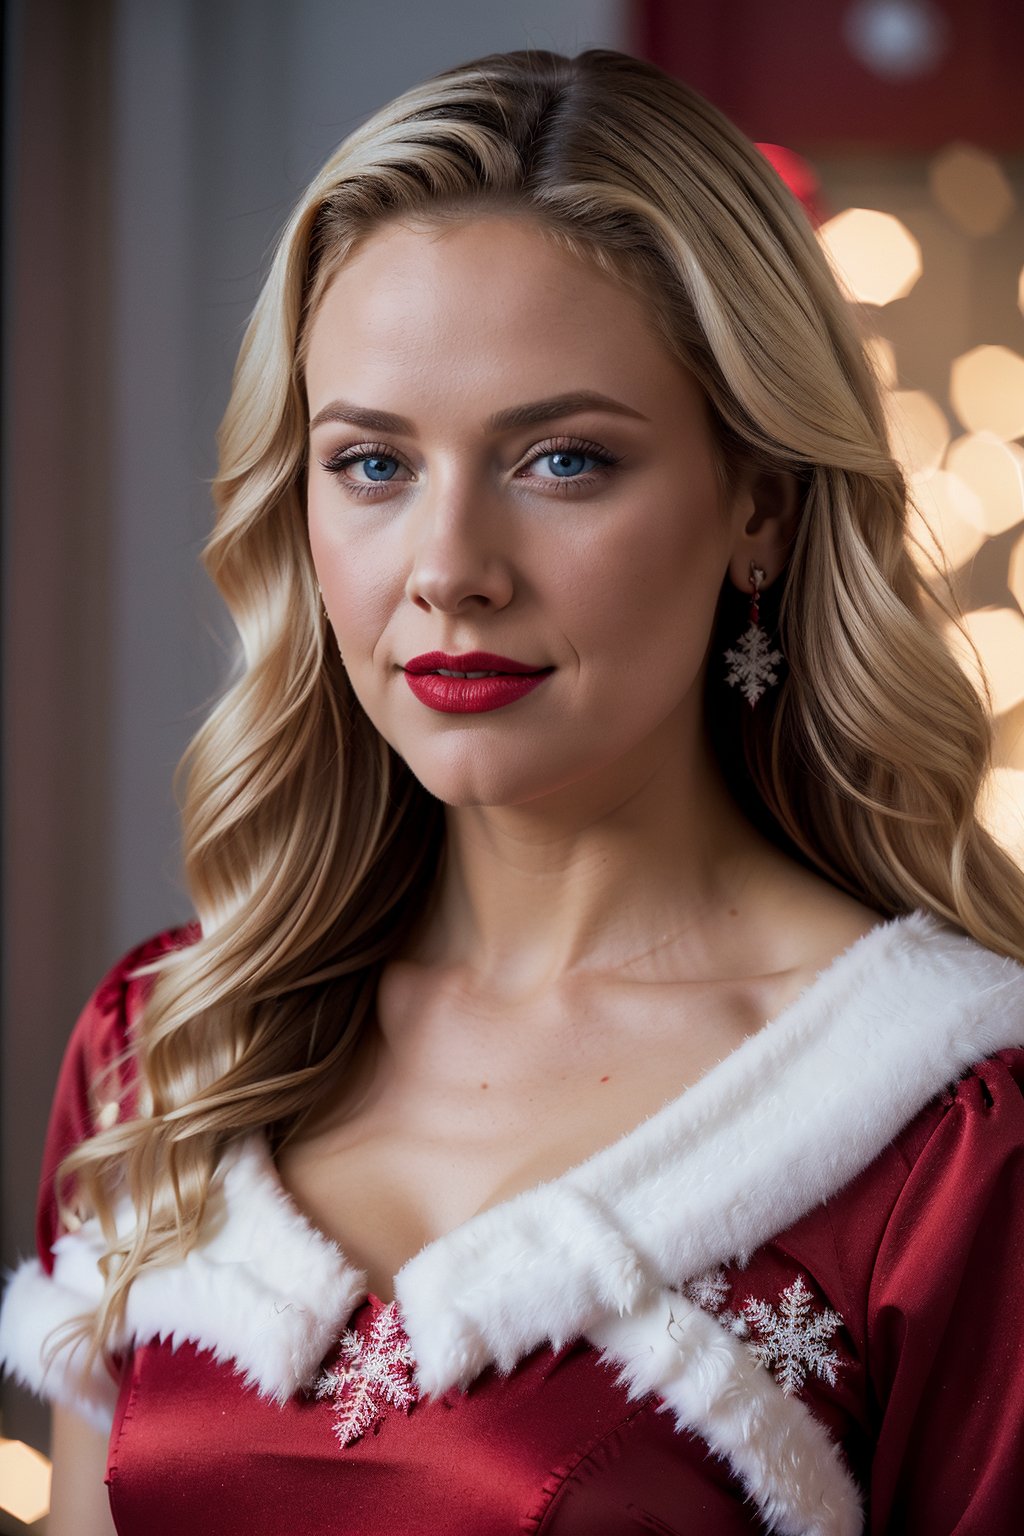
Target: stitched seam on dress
x,y
536,1521
114,1451
954,1102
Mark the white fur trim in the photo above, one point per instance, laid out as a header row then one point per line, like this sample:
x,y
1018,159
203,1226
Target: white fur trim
x,y
776,1127
781,1453
265,1290
784,1121
33,1305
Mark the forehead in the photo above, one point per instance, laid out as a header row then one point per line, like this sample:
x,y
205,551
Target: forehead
x,y
513,256
491,305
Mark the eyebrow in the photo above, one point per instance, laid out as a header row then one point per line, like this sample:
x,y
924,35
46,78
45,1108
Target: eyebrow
x,y
528,415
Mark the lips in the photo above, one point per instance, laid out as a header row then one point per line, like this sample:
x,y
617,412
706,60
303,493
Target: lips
x,y
431,679
471,661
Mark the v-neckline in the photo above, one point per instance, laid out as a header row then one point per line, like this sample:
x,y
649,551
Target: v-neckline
x,y
769,1133
619,1149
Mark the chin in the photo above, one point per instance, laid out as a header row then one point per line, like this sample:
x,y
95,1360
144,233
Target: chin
x,y
494,777
473,788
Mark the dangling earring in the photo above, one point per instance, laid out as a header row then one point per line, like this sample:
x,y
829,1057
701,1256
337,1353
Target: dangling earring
x,y
752,663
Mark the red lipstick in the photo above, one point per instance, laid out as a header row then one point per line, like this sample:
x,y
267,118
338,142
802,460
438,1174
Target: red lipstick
x,y
429,679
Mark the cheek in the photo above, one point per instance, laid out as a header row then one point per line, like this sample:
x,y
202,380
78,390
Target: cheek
x,y
652,578
357,578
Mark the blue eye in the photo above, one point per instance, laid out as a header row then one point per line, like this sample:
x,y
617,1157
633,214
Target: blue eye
x,y
570,461
375,468
565,465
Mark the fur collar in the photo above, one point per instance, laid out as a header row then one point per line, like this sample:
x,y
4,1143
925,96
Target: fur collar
x,y
264,1289
785,1120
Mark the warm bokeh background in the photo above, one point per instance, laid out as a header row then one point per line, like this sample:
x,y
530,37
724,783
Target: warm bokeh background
x,y
152,150
901,124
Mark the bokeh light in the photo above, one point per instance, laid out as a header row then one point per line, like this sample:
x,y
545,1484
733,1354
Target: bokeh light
x,y
918,430
874,255
24,1481
896,39
998,634
799,175
971,188
944,522
882,355
987,391
994,470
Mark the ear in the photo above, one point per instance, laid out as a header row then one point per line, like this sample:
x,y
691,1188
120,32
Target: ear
x,y
766,514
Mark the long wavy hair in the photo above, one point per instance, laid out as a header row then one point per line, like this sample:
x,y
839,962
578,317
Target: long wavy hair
x,y
311,850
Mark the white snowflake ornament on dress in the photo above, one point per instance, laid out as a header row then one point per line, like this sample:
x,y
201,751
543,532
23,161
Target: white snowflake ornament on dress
x,y
373,1374
792,1338
709,1290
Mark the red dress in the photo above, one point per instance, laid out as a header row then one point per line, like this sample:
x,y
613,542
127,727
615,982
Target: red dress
x,y
789,1301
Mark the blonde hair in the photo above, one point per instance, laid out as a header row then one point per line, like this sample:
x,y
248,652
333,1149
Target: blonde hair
x,y
310,848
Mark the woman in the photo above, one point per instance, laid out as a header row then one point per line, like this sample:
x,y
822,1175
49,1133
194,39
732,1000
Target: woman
x,y
590,1098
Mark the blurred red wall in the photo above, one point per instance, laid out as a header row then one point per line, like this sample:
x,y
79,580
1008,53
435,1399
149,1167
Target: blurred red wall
x,y
788,71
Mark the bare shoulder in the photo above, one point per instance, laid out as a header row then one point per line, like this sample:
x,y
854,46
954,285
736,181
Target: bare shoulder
x,y
839,918
795,923
814,921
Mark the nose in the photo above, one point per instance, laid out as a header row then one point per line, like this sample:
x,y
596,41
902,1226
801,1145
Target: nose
x,y
458,554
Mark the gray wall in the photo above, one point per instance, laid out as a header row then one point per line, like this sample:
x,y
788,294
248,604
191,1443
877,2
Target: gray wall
x,y
153,149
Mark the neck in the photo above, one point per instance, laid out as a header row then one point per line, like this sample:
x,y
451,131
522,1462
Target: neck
x,y
643,860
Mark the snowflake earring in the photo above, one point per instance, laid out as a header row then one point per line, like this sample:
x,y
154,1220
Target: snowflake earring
x,y
752,664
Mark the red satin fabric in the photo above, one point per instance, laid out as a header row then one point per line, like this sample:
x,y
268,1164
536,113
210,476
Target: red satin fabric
x,y
555,1447
922,1256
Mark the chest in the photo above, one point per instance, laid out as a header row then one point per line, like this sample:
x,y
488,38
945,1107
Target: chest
x,y
556,1445
457,1106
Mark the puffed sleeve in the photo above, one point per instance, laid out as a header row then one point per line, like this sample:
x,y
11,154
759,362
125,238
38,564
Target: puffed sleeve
x,y
63,1281
946,1320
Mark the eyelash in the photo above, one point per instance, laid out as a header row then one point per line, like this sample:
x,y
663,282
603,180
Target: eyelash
x,y
338,462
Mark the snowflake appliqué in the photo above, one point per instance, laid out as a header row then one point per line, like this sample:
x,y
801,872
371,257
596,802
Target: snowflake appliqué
x,y
791,1339
752,664
708,1291
373,1373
